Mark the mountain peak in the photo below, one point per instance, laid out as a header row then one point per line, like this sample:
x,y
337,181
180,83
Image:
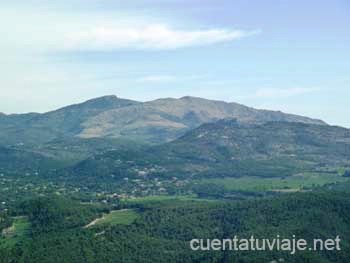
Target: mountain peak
x,y
106,97
190,98
101,103
198,99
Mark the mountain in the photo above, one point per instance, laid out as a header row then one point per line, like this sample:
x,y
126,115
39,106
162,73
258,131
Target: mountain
x,y
279,144
166,119
155,121
229,148
14,161
34,128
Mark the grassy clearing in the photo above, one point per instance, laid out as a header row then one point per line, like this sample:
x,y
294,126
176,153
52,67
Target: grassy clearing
x,y
159,198
118,217
259,184
19,229
165,199
121,217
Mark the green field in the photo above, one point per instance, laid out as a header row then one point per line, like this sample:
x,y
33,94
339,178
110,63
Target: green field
x,y
259,184
15,233
118,217
159,198
164,199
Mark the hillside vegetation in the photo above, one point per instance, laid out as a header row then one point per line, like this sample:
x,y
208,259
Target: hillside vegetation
x,y
163,231
230,149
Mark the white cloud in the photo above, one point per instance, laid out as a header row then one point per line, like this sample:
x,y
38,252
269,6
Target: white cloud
x,y
153,37
274,93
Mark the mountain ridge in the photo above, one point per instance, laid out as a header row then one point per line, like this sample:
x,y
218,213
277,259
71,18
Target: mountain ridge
x,y
155,121
173,117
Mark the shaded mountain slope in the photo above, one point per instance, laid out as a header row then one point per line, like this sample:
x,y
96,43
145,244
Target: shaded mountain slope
x,y
14,161
228,148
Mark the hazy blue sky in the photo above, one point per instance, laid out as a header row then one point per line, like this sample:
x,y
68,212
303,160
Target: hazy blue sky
x,y
289,55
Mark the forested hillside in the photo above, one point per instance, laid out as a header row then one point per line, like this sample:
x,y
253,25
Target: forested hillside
x,y
161,233
229,149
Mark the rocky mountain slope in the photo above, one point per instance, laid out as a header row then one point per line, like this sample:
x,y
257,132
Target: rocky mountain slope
x,y
35,128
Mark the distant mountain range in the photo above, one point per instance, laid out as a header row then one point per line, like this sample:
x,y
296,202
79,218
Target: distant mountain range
x,y
155,121
186,137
